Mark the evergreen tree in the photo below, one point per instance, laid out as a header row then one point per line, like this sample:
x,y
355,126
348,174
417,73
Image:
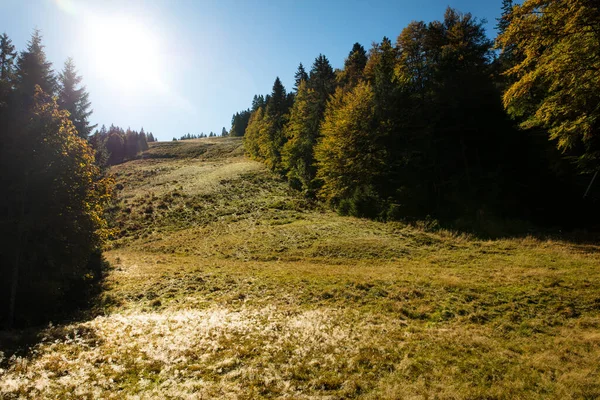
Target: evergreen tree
x,y
224,132
74,98
34,69
354,66
54,198
277,104
7,58
322,81
142,142
239,123
258,101
300,76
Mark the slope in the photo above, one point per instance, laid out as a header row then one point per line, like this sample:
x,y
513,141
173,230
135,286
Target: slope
x,y
227,284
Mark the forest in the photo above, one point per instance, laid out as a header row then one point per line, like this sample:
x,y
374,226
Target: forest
x,y
445,123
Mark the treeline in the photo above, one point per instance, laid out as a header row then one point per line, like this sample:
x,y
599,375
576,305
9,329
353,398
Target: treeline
x,y
436,125
115,145
202,135
53,192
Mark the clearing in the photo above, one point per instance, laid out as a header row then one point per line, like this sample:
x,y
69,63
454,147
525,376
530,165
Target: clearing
x,y
228,284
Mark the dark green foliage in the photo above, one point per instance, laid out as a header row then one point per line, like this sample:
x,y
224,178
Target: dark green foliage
x,y
51,211
34,69
418,128
8,55
354,66
322,80
114,146
299,77
264,138
74,98
258,102
239,121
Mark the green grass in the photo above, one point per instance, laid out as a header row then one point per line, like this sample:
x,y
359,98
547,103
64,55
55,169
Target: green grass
x,y
227,284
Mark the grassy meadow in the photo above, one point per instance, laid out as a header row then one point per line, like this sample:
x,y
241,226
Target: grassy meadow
x,y
225,283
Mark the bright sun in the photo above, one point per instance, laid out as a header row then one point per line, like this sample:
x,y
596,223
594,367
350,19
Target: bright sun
x,y
124,52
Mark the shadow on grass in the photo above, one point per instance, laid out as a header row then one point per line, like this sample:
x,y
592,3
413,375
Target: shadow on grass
x,y
80,303
580,239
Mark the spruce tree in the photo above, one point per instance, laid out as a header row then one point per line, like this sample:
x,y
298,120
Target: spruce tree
x,y
300,76
74,98
34,69
7,58
354,65
322,80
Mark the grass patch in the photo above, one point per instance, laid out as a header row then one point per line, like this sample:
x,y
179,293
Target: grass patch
x,y
227,284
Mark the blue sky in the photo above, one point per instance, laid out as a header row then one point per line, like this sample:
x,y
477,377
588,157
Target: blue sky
x,y
179,66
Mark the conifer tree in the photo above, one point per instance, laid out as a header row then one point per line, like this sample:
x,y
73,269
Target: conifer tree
x,y
300,76
239,123
258,101
34,69
55,198
322,81
7,58
354,66
142,142
74,98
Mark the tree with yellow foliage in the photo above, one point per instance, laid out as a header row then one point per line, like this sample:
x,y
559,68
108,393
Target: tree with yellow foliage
x,y
557,75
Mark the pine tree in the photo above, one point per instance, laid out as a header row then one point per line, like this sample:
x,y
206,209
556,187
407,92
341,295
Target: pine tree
x,y
74,98
239,123
300,76
322,80
258,101
142,142
55,199
354,66
7,58
34,69
277,104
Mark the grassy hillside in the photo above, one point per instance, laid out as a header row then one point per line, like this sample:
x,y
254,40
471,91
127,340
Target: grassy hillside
x,y
227,284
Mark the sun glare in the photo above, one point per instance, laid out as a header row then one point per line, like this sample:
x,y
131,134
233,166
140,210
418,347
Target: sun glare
x,y
124,52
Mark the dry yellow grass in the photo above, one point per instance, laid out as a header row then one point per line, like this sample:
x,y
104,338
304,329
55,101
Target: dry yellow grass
x,y
227,284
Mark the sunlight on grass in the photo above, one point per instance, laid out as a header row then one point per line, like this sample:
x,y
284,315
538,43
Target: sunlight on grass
x,y
227,284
